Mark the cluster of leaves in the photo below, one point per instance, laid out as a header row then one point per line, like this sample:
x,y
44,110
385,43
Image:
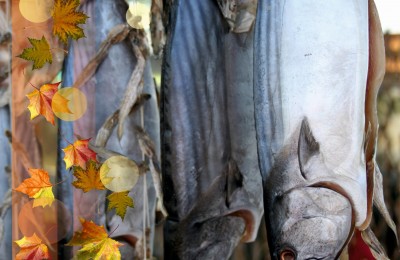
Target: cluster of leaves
x,y
87,173
65,25
94,240
79,158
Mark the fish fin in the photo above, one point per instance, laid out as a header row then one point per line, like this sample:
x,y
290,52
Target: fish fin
x,y
380,203
234,180
307,146
367,136
374,245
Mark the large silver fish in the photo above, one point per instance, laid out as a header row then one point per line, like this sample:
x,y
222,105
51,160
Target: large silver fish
x,y
211,179
316,123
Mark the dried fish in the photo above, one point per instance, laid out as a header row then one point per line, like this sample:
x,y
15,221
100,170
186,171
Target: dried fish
x,y
318,168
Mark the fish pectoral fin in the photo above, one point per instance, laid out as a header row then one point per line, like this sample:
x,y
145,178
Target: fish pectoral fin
x,y
307,146
380,203
234,180
375,246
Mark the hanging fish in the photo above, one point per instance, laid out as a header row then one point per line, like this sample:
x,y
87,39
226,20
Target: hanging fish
x,y
211,179
320,65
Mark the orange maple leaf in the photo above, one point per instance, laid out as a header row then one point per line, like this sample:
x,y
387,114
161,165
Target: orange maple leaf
x,y
95,242
66,20
32,248
40,102
78,153
39,187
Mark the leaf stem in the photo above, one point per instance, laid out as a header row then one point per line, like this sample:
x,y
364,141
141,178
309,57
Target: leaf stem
x,y
55,48
23,72
27,27
63,137
59,182
113,231
34,86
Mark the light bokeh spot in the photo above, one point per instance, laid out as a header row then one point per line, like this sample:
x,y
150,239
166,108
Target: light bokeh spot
x,y
138,15
118,174
43,221
77,103
36,11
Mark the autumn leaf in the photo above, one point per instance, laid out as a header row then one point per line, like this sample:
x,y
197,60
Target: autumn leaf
x,y
39,53
95,243
78,153
120,201
43,198
32,248
66,20
40,102
38,187
88,179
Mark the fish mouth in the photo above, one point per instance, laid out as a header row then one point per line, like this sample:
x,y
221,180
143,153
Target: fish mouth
x,y
339,190
319,215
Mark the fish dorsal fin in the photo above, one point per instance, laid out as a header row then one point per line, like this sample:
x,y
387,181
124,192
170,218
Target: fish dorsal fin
x,y
367,136
307,146
375,246
234,180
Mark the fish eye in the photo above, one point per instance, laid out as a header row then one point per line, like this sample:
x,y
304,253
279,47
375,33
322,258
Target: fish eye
x,y
287,254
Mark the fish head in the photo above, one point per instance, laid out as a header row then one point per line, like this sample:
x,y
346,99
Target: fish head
x,y
304,222
309,223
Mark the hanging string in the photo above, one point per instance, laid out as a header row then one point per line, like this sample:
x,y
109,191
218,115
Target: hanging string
x,y
145,199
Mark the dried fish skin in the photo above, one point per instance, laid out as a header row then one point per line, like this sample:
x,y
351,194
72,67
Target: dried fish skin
x,y
309,107
210,173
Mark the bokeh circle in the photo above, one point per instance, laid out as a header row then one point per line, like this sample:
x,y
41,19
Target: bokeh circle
x,y
36,11
43,221
77,103
118,173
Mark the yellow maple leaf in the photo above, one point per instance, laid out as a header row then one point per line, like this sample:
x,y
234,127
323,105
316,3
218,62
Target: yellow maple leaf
x,y
95,243
66,20
88,179
120,201
32,248
38,187
78,154
39,53
43,197
40,102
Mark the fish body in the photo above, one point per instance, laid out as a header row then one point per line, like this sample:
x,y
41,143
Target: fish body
x,y
310,94
211,177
